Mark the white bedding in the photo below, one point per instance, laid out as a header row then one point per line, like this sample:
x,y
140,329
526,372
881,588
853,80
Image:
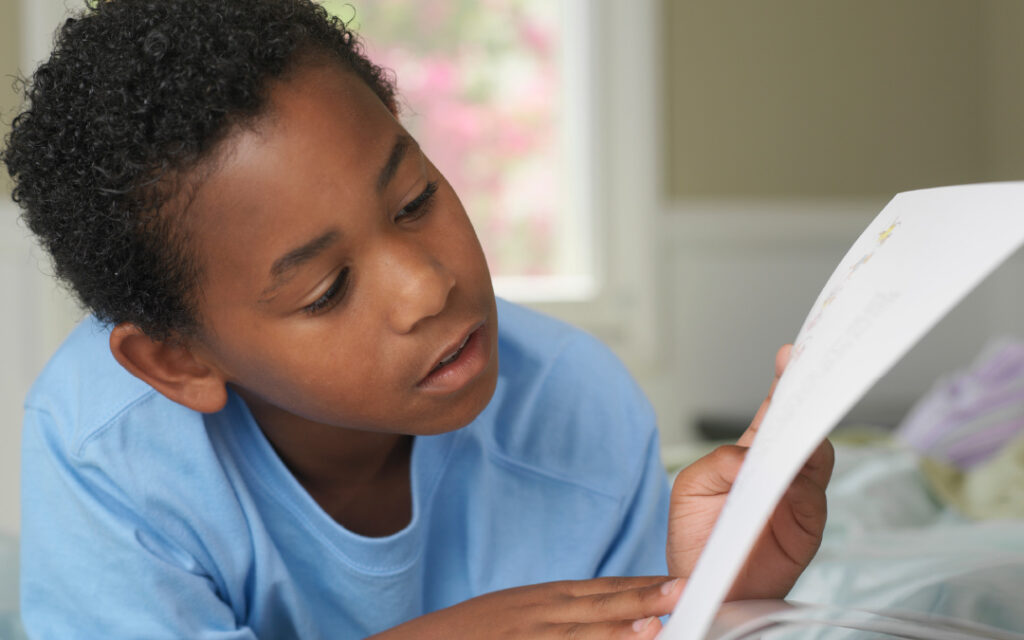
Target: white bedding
x,y
890,544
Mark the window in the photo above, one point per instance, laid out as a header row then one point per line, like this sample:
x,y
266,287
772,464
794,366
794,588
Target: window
x,y
564,92
487,90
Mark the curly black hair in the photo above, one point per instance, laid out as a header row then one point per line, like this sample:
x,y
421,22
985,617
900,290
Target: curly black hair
x,y
136,94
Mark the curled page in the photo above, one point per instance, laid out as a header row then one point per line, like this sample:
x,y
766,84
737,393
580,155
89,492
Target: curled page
x,y
923,253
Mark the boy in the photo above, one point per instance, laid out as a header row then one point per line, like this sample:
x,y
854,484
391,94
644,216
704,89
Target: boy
x,y
299,410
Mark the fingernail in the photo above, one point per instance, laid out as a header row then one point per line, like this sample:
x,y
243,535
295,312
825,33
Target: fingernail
x,y
669,586
641,624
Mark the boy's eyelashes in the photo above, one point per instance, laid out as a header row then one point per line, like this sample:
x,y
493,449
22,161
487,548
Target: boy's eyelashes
x,y
415,209
331,297
418,206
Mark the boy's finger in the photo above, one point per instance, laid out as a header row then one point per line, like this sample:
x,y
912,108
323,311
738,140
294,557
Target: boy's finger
x,y
631,604
799,519
712,475
641,629
781,360
818,468
592,586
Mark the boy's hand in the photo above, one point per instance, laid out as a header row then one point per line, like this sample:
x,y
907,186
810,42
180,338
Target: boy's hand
x,y
599,608
792,535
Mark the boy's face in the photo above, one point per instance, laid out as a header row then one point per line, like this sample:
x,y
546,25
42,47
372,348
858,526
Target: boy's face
x,y
339,269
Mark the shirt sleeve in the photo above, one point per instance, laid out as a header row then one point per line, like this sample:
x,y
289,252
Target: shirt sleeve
x,y
612,445
91,567
639,548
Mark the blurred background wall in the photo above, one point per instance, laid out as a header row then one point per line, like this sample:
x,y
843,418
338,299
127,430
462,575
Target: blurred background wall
x,y
844,98
9,62
787,126
776,131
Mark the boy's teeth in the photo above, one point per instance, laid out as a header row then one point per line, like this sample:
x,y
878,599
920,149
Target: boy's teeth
x,y
455,355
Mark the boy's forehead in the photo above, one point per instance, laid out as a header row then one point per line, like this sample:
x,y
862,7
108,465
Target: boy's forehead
x,y
319,121
324,98
320,147
320,98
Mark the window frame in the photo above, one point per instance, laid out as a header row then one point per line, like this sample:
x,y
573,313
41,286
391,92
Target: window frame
x,y
619,175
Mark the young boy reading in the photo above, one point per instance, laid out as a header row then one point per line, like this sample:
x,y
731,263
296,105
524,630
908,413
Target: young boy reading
x,y
297,409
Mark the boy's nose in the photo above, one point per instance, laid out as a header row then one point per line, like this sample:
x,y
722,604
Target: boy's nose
x,y
418,286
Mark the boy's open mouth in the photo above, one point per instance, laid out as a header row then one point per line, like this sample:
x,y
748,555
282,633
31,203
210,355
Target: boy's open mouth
x,y
453,357
460,363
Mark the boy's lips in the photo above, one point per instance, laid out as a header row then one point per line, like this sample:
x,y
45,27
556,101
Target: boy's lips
x,y
459,362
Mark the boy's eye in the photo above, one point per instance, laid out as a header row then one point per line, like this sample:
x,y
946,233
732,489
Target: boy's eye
x,y
419,206
331,297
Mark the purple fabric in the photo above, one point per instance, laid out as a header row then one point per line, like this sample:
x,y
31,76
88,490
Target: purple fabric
x,y
969,416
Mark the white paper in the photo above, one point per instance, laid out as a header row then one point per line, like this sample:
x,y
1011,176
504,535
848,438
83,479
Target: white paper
x,y
923,253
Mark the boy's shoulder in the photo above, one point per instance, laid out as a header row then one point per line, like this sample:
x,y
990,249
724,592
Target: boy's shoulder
x,y
83,388
565,404
531,342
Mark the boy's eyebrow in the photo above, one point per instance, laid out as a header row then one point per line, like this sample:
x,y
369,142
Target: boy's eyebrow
x,y
387,172
298,256
311,249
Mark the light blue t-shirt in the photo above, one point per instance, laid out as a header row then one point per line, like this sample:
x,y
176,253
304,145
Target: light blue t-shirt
x,y
144,519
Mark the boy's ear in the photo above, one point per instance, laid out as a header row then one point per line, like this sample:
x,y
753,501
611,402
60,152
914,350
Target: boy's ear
x,y
170,367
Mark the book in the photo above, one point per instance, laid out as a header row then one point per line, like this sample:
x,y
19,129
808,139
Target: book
x,y
915,261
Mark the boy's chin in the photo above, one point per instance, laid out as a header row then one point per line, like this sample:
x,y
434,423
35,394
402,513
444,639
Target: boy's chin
x,y
467,411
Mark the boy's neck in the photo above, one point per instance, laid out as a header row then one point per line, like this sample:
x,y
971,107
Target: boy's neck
x,y
360,478
375,503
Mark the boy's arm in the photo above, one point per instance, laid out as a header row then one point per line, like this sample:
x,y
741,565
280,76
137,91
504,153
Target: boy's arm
x,y
598,609
90,568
